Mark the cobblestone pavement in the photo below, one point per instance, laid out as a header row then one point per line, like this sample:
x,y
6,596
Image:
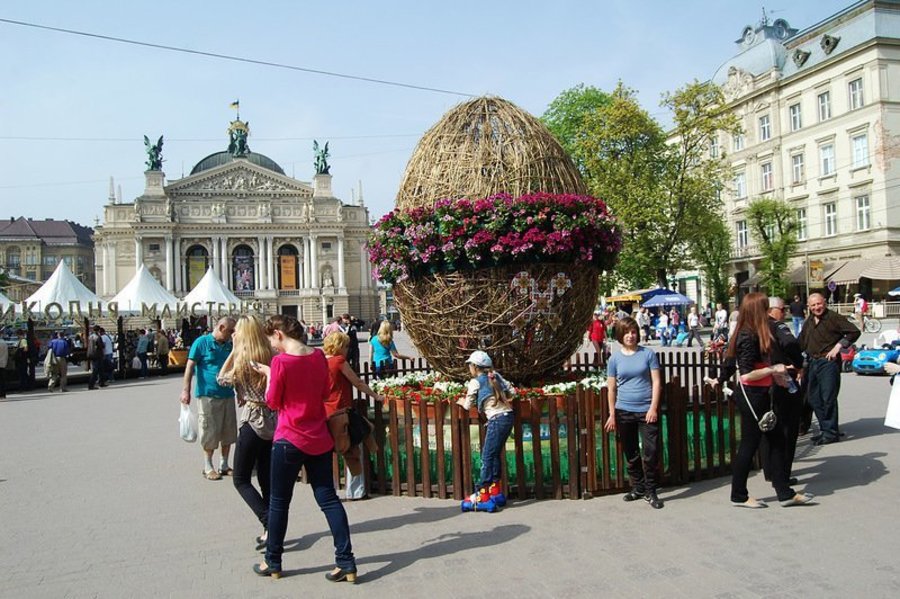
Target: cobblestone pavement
x,y
100,498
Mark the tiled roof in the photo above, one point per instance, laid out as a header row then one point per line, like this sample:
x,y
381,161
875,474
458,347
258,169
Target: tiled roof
x,y
50,232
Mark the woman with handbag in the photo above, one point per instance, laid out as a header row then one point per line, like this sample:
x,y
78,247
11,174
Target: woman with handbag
x,y
297,388
749,346
339,408
257,422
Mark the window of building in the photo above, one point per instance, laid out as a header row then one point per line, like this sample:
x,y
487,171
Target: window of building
x,y
31,259
863,213
826,155
765,128
326,245
742,234
738,141
740,185
830,219
798,173
801,224
855,88
49,260
714,147
860,145
80,262
768,178
13,257
153,247
824,106
796,119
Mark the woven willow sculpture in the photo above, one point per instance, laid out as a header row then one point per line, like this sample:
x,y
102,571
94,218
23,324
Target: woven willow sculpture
x,y
529,318
482,147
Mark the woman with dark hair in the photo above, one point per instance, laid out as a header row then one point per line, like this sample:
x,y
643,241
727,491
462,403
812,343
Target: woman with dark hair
x,y
298,386
749,347
635,388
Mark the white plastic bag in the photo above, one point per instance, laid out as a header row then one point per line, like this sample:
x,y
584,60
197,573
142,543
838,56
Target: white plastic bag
x,y
187,423
892,417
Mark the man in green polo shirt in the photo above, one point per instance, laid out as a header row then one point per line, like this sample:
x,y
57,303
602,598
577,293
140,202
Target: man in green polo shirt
x,y
217,418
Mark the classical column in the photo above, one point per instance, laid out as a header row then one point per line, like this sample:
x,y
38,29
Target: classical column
x,y
315,283
340,277
170,279
216,262
261,262
179,264
270,269
138,251
307,280
112,277
101,282
226,261
363,268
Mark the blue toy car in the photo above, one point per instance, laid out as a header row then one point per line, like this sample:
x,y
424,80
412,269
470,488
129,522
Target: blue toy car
x,y
872,361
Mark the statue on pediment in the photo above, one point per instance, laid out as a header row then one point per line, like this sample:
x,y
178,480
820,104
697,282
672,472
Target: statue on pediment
x,y
321,162
739,83
154,154
238,133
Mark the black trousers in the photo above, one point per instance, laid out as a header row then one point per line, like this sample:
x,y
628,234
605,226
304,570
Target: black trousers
x,y
751,438
643,467
249,452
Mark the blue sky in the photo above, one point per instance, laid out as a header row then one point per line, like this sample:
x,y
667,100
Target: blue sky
x,y
108,95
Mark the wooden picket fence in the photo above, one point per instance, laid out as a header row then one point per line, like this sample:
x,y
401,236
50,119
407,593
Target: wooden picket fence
x,y
558,448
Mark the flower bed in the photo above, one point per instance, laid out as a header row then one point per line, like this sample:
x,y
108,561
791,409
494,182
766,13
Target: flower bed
x,y
499,230
435,390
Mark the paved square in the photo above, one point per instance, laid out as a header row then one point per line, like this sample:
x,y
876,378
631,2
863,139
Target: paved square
x,y
100,498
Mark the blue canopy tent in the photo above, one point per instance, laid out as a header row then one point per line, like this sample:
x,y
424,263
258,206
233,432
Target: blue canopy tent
x,y
667,299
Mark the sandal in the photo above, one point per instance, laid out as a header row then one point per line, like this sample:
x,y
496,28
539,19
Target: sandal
x,y
753,504
212,475
225,471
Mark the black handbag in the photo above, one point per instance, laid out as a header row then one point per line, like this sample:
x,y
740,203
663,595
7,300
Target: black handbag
x,y
359,427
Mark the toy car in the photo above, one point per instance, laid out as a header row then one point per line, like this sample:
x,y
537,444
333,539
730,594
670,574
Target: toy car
x,y
872,361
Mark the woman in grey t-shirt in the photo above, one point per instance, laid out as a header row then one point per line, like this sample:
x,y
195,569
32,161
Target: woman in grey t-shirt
x,y
634,384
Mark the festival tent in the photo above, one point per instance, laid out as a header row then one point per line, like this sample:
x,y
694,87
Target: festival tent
x,y
210,289
4,301
142,289
667,299
62,287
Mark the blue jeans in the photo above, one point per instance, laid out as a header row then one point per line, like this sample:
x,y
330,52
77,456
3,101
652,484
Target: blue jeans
x,y
286,463
824,379
145,372
492,451
798,324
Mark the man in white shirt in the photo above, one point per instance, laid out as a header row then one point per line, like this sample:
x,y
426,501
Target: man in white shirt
x,y
721,325
693,323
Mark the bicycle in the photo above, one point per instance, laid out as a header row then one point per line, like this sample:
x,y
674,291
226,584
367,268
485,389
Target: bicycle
x,y
870,323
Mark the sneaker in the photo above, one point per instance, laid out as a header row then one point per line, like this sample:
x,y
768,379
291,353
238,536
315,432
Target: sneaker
x,y
654,501
798,499
633,495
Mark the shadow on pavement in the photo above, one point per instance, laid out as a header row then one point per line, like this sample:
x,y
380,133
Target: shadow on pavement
x,y
438,547
865,427
832,473
694,488
420,515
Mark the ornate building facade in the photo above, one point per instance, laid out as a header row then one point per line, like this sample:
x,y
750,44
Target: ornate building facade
x,y
30,250
287,244
821,124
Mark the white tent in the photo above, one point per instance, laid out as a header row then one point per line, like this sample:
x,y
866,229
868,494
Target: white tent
x,y
4,301
144,289
210,289
62,287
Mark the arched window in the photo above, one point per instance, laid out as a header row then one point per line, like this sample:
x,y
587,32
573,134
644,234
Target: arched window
x,y
197,262
243,269
288,267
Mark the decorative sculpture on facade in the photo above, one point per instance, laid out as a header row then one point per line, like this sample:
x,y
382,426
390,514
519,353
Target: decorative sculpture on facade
x,y
321,163
154,154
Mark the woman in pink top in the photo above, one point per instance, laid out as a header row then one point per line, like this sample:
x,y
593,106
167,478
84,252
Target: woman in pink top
x,y
298,386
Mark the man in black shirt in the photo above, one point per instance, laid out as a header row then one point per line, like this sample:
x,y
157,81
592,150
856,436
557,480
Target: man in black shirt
x,y
823,336
798,313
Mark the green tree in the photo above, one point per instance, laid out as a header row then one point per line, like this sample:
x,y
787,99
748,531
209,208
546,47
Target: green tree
x,y
773,225
711,252
660,185
565,117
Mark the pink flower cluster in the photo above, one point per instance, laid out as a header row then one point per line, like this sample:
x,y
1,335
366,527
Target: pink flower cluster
x,y
501,229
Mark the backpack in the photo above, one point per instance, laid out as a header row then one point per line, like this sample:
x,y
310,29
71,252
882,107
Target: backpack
x,y
98,353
